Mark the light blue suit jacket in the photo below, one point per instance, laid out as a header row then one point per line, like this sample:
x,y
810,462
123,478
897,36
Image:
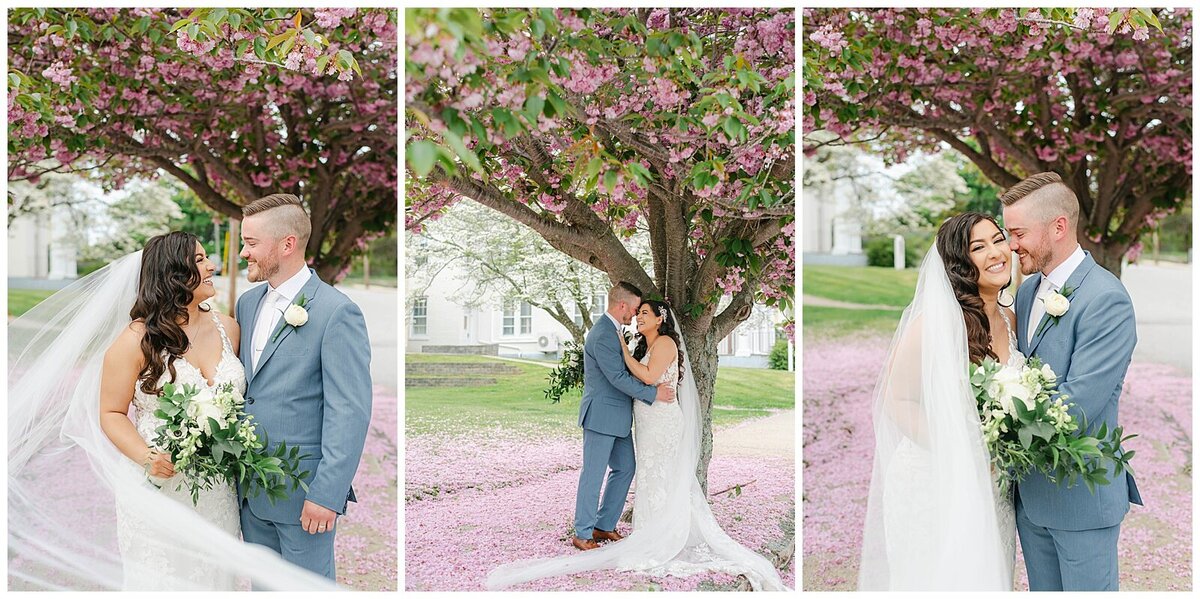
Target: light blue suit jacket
x,y
608,386
1089,348
313,389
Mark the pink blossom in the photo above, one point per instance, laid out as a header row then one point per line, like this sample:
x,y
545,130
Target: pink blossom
x,y
60,74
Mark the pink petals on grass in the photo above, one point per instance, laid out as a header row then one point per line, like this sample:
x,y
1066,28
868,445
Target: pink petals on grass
x,y
365,546
477,500
1155,547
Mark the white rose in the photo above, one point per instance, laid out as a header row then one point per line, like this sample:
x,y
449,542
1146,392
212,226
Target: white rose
x,y
295,315
1057,304
1048,374
201,408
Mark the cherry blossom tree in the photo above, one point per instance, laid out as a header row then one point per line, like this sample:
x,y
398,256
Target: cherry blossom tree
x,y
586,125
1102,97
234,103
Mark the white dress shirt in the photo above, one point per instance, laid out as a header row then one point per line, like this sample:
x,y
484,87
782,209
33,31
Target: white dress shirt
x,y
275,302
1050,284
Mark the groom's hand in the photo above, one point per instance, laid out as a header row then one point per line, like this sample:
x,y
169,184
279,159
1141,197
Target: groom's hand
x,y
665,394
315,519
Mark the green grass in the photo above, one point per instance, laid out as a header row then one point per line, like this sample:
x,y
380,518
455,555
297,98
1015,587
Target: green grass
x,y
861,285
517,402
823,323
21,301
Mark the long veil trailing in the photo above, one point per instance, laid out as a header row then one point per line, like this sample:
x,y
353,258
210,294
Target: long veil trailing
x,y
65,478
685,541
931,515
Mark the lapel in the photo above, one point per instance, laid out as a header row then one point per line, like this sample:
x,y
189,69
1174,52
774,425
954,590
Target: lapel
x,y
1073,282
1024,308
246,351
283,329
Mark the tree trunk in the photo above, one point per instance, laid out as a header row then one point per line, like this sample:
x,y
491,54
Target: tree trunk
x,y
331,268
702,352
1107,255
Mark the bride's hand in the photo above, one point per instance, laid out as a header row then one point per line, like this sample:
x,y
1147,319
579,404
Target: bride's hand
x,y
622,343
158,464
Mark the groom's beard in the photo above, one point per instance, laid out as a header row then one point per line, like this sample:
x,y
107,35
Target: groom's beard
x,y
261,271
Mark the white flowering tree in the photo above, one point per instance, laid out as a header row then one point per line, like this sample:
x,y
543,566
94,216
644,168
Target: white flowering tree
x,y
505,261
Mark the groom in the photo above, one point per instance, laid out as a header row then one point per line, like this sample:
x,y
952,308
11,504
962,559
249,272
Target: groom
x,y
308,382
1069,536
606,415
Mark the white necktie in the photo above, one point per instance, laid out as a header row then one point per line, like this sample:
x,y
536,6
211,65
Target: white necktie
x,y
1039,306
268,317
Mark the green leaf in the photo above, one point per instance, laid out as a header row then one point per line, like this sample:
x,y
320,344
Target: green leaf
x,y
464,153
180,24
610,180
421,156
593,167
533,107
281,38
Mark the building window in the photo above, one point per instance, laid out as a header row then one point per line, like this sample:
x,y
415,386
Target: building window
x,y
510,317
526,319
420,314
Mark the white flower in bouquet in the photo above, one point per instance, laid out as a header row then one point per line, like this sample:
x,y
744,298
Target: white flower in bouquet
x,y
203,407
1048,374
1012,387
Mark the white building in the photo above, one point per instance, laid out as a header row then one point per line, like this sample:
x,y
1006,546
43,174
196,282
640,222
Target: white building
x,y
437,323
39,246
832,232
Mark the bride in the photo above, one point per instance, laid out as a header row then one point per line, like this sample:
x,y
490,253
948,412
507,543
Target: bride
x,y
674,531
935,519
91,503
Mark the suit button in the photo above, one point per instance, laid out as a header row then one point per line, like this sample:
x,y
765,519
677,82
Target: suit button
x,y
249,400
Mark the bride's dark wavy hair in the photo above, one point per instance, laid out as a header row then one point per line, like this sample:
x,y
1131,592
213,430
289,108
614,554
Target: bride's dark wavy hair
x,y
953,245
166,282
667,328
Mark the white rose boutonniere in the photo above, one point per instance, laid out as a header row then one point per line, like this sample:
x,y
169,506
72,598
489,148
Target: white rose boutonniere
x,y
1056,304
295,315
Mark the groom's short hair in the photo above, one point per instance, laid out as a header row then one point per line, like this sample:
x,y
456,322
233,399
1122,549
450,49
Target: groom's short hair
x,y
1053,197
287,217
623,291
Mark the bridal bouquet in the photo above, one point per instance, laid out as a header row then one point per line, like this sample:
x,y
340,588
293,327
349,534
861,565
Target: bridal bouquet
x,y
568,374
1027,427
212,439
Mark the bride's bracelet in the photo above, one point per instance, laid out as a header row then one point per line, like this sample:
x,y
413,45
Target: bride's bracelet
x,y
149,459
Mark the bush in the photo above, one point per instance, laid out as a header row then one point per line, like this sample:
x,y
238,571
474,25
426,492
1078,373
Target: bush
x,y
880,252
778,359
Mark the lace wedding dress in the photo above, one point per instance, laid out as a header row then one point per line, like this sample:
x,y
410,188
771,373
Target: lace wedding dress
x,y
150,563
657,435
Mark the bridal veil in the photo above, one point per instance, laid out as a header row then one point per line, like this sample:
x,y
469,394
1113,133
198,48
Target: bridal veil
x,y
65,477
931,516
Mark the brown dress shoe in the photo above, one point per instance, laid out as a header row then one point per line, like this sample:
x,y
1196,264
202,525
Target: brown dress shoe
x,y
606,535
583,544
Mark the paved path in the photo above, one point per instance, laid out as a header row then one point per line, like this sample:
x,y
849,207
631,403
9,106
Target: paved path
x,y
824,302
773,436
1162,301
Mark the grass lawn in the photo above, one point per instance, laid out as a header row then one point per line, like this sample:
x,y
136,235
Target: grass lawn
x,y
517,402
861,285
825,323
21,300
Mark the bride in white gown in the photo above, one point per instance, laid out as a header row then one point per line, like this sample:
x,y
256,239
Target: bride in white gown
x,y
83,513
674,531
935,518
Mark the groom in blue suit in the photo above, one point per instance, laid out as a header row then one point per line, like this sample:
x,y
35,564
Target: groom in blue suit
x,y
606,415
308,383
1069,536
